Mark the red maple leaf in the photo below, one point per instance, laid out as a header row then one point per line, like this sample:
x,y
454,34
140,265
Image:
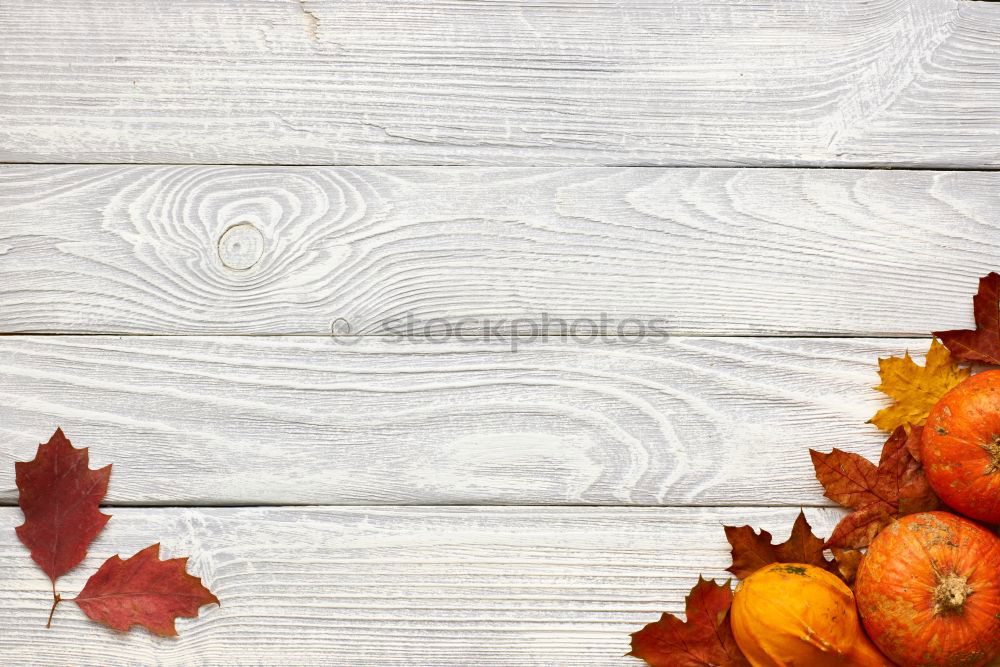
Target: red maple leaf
x,y
877,494
704,640
753,550
143,590
60,497
983,342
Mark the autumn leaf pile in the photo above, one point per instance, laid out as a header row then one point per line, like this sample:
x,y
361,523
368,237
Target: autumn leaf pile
x,y
876,493
60,497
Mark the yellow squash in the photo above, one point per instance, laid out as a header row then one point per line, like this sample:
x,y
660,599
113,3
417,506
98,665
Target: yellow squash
x,y
792,615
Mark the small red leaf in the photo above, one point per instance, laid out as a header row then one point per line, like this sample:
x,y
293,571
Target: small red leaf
x,y
705,639
983,342
60,497
144,590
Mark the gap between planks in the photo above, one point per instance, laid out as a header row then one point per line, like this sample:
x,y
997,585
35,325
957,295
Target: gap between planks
x,y
432,338
202,505
903,167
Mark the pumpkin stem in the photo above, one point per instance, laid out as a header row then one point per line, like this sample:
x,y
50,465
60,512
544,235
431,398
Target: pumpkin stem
x,y
993,449
950,594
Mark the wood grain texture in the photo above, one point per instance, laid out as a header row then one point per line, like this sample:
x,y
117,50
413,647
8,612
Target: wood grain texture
x,y
402,586
300,420
652,82
293,250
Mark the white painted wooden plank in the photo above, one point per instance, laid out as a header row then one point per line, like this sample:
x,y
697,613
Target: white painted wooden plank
x,y
167,249
656,82
376,586
291,420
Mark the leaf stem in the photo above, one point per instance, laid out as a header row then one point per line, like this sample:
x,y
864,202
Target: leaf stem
x,y
56,599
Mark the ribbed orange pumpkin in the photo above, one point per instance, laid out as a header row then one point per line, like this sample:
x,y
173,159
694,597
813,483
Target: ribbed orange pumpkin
x,y
961,447
791,614
929,591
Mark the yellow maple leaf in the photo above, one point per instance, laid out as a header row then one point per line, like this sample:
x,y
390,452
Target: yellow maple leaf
x,y
915,389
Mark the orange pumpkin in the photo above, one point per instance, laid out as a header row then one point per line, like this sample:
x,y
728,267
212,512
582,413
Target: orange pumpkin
x,y
929,591
961,447
791,614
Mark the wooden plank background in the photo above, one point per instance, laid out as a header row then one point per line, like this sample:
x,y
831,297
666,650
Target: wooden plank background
x,y
305,420
213,216
391,585
654,82
702,251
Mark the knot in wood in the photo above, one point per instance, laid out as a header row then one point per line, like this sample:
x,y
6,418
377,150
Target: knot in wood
x,y
241,247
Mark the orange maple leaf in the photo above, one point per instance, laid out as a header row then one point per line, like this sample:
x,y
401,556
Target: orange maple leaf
x,y
705,639
983,342
877,494
915,389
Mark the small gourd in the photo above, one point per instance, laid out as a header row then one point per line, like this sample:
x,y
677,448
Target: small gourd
x,y
793,615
